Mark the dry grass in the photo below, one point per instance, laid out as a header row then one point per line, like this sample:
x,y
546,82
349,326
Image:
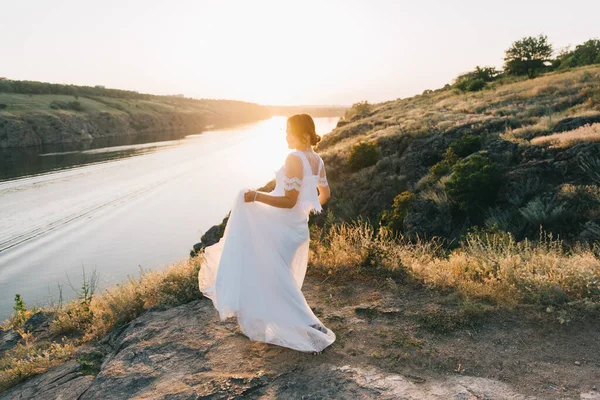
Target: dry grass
x,y
495,268
30,359
92,317
538,104
587,133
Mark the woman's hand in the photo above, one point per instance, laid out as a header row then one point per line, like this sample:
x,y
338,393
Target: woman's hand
x,y
250,196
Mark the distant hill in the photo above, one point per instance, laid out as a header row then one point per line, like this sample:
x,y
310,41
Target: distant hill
x,y
38,113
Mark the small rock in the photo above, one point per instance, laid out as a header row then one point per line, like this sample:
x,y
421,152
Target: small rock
x,y
577,363
389,311
9,339
37,322
366,310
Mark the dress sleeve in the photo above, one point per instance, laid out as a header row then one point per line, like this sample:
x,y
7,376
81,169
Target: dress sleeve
x,y
293,173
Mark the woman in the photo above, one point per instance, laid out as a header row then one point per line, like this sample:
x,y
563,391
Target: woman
x,y
256,270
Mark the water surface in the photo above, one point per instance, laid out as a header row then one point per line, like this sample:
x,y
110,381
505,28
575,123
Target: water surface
x,y
120,207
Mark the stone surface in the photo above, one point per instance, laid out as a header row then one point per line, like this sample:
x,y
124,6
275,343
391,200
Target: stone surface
x,y
186,353
38,321
8,339
63,382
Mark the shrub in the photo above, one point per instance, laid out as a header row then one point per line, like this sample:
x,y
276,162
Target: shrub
x,y
363,155
475,85
474,184
3,106
394,218
476,80
358,110
21,313
67,105
466,145
440,169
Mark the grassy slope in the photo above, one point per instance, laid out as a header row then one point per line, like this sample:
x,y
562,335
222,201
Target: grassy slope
x,y
413,134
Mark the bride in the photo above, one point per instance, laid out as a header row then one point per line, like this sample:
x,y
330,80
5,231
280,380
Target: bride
x,y
255,272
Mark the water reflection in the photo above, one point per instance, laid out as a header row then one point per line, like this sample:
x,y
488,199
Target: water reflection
x,y
18,162
120,212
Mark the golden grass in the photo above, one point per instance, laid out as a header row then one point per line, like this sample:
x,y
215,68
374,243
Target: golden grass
x,y
533,103
587,133
83,321
27,360
491,267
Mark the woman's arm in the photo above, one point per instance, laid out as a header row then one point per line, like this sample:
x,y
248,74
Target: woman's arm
x,y
324,191
324,194
293,169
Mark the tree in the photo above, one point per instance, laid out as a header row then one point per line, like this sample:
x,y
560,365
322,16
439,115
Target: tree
x,y
528,56
584,54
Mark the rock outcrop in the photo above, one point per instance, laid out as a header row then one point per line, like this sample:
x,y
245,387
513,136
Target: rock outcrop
x,y
8,339
186,353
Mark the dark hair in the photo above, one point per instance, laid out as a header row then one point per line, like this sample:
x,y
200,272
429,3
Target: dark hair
x,y
301,126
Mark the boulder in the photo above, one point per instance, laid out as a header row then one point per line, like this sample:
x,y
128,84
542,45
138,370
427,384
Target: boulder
x,y
37,322
9,339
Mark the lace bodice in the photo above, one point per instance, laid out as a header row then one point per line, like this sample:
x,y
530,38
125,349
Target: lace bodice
x,y
313,175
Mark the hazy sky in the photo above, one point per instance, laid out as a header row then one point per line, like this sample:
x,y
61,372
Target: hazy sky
x,y
275,51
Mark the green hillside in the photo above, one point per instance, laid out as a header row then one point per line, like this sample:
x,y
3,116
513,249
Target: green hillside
x,y
37,113
516,156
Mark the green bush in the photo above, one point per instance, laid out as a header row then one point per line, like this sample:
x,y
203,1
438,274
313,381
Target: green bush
x,y
363,155
358,110
476,80
474,184
441,169
475,85
394,218
3,106
67,105
466,145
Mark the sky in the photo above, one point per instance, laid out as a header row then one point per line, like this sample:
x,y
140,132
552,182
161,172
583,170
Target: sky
x,y
275,51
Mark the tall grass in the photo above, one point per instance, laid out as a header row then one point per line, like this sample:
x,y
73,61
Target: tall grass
x,y
587,133
90,317
493,267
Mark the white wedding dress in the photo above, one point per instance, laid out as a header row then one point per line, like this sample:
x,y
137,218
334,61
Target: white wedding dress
x,y
255,272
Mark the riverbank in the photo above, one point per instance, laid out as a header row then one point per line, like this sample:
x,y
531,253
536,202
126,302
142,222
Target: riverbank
x,y
51,119
38,113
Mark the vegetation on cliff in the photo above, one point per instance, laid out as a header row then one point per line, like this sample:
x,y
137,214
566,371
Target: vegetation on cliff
x,y
37,113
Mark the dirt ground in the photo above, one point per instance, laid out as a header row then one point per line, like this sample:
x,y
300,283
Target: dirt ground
x,y
394,341
528,347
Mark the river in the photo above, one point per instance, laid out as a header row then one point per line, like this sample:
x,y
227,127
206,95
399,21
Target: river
x,y
123,207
